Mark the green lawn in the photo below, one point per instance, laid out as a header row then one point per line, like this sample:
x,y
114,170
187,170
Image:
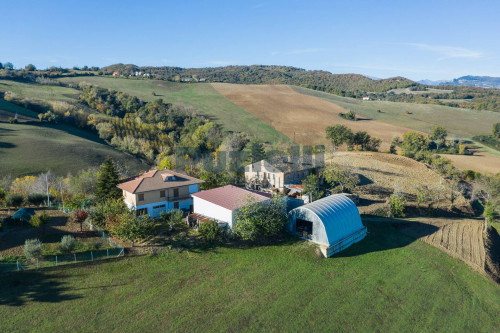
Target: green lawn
x,y
461,123
201,96
40,92
388,282
30,149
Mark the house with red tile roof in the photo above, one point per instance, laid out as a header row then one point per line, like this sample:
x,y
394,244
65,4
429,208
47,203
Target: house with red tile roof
x,y
158,191
222,203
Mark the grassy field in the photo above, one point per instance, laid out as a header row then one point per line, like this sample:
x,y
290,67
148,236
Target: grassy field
x,y
200,96
461,123
388,282
28,149
40,92
10,107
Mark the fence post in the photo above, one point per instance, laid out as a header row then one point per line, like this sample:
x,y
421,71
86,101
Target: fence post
x,y
92,255
75,257
18,265
56,260
37,264
107,251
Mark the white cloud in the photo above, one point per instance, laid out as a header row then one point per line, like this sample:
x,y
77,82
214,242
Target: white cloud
x,y
448,52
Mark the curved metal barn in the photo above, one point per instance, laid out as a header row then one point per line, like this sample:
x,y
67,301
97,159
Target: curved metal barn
x,y
333,222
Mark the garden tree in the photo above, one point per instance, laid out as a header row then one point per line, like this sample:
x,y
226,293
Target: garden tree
x,y
424,194
3,194
339,134
30,68
412,142
311,187
23,185
214,179
36,199
261,220
256,151
131,227
8,65
443,166
1,65
174,219
496,130
14,200
39,221
211,231
83,184
438,135
107,180
456,189
103,210
79,216
32,248
62,187
337,175
44,183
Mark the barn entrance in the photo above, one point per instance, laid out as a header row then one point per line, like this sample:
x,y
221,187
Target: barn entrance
x,y
304,228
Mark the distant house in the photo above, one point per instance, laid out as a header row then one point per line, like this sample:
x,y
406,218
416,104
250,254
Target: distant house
x,y
277,172
366,98
222,203
116,73
158,191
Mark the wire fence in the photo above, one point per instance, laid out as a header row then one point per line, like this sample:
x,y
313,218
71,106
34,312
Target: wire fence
x,y
65,259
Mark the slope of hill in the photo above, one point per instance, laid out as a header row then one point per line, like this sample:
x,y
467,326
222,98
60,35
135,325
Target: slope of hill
x,y
387,282
31,148
202,97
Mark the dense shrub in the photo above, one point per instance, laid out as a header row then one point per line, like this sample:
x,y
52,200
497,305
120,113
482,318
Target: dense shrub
x,y
173,218
210,231
67,244
36,199
397,205
39,220
14,200
32,248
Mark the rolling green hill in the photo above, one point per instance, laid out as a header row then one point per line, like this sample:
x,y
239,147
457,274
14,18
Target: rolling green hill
x,y
30,149
387,282
202,97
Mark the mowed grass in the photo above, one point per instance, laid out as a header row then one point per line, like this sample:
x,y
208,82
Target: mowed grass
x,y
200,96
40,92
30,149
388,282
460,123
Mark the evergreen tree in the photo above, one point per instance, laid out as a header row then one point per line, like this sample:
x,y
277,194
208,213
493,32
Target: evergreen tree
x,y
256,150
107,181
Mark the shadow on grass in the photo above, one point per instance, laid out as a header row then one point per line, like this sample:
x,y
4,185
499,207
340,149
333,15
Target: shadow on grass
x,y
386,235
19,288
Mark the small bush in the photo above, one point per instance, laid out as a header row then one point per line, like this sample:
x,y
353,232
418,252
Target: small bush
x,y
210,231
67,244
14,200
39,220
33,248
397,205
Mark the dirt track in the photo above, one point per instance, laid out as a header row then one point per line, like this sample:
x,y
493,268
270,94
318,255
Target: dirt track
x,y
302,118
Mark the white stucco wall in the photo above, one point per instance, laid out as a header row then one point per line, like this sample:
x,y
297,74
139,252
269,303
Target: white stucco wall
x,y
213,211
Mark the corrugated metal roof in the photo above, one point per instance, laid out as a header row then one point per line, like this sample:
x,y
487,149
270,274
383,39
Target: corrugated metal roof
x,y
338,214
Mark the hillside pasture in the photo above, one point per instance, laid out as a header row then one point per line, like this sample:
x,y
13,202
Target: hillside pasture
x,y
31,149
39,91
200,96
302,118
387,282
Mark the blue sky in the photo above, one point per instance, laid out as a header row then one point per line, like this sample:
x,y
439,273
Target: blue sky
x,y
437,39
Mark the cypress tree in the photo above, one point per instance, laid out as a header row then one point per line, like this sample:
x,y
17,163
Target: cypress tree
x,y
107,181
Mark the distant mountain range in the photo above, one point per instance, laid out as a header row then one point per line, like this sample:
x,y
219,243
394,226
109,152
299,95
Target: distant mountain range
x,y
469,80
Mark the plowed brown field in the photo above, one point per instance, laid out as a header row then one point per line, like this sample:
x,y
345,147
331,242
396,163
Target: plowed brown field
x,y
302,118
480,161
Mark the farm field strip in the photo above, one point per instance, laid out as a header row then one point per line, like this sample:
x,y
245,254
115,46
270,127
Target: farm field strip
x,y
302,118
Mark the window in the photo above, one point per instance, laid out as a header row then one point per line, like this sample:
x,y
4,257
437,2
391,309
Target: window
x,y
142,211
176,192
176,205
162,194
141,197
